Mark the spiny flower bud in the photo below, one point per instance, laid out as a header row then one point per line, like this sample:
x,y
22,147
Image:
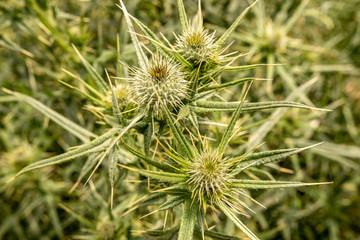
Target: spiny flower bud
x,y
198,47
106,230
209,175
159,82
121,92
276,37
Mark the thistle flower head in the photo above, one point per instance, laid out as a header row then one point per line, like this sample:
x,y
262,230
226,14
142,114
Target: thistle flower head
x,y
198,46
160,82
121,92
209,175
106,230
276,37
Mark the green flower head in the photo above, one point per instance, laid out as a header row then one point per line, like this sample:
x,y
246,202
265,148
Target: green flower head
x,y
159,82
198,47
209,175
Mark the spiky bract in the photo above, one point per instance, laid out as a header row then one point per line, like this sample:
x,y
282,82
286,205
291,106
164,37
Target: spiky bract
x,y
209,175
159,82
198,47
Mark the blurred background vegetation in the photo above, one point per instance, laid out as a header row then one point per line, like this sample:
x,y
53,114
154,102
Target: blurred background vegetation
x,y
315,40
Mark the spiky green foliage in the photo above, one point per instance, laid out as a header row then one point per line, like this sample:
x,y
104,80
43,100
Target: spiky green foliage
x,y
36,39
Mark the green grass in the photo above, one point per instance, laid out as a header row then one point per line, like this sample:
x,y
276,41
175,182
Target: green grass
x,y
59,62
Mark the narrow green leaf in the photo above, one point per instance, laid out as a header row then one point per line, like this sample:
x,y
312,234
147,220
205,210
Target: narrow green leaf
x,y
295,16
258,136
98,144
199,18
147,159
221,41
184,112
225,85
152,35
258,159
261,158
290,81
160,176
148,134
172,202
210,106
112,167
139,126
115,140
115,104
139,52
88,86
236,220
340,153
115,107
163,234
153,197
85,169
254,124
82,92
194,81
201,216
177,158
268,184
181,59
113,170
270,74
227,134
246,67
187,222
75,129
203,95
99,81
178,189
174,54
184,144
215,235
219,236
4,99
194,120
183,18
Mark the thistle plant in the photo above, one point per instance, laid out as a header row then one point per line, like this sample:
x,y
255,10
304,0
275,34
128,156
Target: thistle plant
x,y
170,94
205,176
